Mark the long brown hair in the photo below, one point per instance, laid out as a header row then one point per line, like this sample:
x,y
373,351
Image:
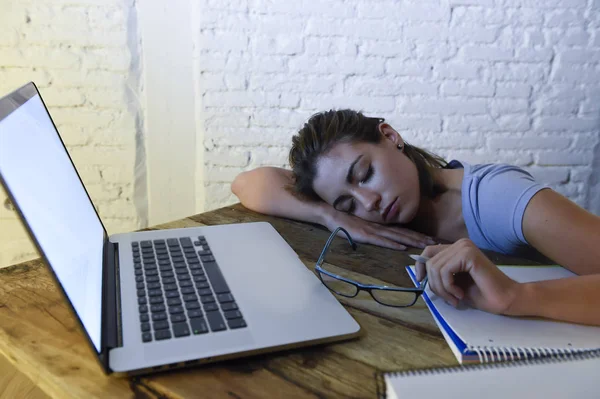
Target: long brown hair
x,y
325,129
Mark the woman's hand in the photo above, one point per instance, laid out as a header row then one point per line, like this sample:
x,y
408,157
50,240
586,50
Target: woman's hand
x,y
378,234
462,272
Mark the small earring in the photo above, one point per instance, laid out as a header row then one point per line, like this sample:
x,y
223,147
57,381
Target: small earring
x,y
400,147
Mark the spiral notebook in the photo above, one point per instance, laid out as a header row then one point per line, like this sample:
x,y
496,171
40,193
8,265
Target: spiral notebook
x,y
573,376
480,337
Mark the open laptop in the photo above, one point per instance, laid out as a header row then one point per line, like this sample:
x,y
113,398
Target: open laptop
x,y
164,298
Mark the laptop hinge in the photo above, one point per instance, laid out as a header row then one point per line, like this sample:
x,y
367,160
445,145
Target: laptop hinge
x,y
110,302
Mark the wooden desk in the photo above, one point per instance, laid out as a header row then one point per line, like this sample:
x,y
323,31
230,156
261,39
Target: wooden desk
x,y
40,337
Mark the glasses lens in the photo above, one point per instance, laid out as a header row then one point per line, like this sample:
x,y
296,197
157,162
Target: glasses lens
x,y
339,286
394,298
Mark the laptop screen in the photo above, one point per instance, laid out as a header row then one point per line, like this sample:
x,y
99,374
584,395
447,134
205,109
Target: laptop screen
x,y
46,188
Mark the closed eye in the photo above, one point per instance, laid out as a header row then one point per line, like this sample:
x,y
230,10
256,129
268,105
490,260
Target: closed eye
x,y
368,175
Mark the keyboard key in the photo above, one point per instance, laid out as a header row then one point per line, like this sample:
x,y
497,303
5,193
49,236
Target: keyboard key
x,y
172,294
146,337
173,242
202,285
153,279
135,244
159,316
199,325
232,314
195,313
157,308
229,306
174,301
205,291
216,278
190,297
207,258
177,318
167,274
183,277
162,334
146,244
137,266
156,300
143,308
185,284
144,317
188,290
145,327
236,323
150,272
142,300
153,286
152,293
159,242
139,272
210,307
169,280
140,286
181,329
223,298
192,305
139,279
215,321
170,287
185,242
204,253
160,325
141,293
197,243
175,309
207,298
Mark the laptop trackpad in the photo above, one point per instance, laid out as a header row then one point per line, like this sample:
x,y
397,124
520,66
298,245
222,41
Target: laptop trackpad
x,y
199,346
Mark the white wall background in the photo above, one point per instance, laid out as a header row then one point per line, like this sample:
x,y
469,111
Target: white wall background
x,y
478,80
513,81
82,55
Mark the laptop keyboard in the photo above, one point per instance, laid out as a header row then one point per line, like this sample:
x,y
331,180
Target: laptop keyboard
x,y
181,290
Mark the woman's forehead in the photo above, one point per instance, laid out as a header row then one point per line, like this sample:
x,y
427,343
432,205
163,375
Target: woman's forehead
x,y
332,169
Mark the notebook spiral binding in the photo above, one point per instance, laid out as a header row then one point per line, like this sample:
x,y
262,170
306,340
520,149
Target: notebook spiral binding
x,y
548,356
488,354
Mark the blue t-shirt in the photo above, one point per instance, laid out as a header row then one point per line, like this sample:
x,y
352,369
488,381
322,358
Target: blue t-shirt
x,y
494,198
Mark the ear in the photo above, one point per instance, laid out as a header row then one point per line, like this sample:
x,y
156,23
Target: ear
x,y
390,134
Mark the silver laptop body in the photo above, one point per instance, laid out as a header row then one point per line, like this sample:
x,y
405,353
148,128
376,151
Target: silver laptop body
x,y
162,298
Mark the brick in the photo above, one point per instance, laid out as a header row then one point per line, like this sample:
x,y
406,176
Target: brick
x,y
106,60
219,195
106,98
414,87
513,90
284,82
478,3
550,4
269,156
444,106
473,34
549,175
365,103
564,158
557,123
400,50
118,208
435,51
216,120
533,55
578,56
514,122
417,123
222,41
19,76
573,73
524,72
328,46
227,156
445,142
408,68
251,136
487,53
425,32
35,56
234,99
87,78
528,143
82,116
471,123
563,18
500,106
454,88
580,174
457,71
102,156
221,174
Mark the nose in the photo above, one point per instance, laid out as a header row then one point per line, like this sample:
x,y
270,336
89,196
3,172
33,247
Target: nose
x,y
368,198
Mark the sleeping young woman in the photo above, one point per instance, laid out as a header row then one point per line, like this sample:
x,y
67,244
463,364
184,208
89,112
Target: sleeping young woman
x,y
357,172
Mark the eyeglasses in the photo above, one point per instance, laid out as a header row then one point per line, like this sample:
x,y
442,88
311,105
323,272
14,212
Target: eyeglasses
x,y
389,296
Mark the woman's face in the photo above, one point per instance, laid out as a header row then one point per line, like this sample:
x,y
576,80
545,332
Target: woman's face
x,y
376,182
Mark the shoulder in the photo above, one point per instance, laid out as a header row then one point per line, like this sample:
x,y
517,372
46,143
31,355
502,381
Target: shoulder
x,y
494,198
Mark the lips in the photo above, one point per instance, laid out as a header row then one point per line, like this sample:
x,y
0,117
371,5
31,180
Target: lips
x,y
387,212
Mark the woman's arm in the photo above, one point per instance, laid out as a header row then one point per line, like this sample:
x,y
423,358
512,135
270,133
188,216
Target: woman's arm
x,y
266,190
563,231
575,299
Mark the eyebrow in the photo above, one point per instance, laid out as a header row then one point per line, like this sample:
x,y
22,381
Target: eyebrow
x,y
348,179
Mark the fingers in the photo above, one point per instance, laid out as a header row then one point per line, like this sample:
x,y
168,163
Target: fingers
x,y
441,269
385,242
420,270
406,236
432,251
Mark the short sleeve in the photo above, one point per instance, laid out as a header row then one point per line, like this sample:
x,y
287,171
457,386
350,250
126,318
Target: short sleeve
x,y
494,200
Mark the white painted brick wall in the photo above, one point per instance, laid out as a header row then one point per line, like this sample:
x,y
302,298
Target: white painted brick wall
x,y
478,80
77,52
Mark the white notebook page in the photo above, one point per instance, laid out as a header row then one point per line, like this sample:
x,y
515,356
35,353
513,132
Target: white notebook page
x,y
556,379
